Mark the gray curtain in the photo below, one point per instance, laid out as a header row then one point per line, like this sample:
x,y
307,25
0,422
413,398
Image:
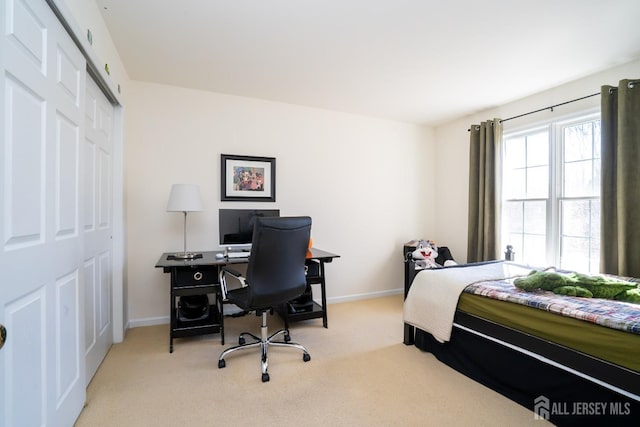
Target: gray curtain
x,y
620,194
484,194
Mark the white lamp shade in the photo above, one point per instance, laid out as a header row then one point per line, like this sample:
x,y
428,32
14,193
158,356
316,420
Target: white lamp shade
x,y
185,198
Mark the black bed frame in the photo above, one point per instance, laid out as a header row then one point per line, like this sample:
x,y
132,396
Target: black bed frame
x,y
523,367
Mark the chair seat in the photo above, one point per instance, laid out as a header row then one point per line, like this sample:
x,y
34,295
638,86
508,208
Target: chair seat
x,y
239,297
243,298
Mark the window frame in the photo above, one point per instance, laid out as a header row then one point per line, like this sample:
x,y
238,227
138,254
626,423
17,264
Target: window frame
x,y
555,195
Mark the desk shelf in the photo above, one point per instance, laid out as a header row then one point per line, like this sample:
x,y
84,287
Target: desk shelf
x,y
315,313
315,276
189,328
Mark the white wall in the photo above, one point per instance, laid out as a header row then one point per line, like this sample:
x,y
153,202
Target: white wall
x,y
452,142
357,177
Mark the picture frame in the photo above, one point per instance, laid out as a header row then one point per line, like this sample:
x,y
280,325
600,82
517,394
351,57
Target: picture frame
x,y
247,178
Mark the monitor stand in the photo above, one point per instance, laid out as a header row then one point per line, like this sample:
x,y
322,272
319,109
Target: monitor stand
x,y
242,253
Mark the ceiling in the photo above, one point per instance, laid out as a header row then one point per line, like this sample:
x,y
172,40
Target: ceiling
x,y
419,61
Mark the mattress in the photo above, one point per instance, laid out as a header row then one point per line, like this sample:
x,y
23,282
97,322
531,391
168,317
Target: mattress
x,y
612,345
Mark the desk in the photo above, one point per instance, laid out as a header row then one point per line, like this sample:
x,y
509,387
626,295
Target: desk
x,y
202,276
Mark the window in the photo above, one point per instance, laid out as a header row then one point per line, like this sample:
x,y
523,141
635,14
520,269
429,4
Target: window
x,y
551,194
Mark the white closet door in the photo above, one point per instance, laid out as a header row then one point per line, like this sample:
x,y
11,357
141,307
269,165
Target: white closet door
x,y
42,83
98,227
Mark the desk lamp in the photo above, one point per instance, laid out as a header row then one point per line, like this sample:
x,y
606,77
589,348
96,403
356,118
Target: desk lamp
x,y
185,198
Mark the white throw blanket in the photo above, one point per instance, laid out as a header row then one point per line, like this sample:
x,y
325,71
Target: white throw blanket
x,y
433,297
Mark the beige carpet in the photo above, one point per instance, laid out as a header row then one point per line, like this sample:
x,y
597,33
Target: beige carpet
x,y
360,374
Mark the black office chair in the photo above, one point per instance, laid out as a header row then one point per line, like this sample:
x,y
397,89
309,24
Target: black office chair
x,y
275,275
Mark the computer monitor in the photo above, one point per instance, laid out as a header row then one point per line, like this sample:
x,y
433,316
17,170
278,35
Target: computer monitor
x,y
236,226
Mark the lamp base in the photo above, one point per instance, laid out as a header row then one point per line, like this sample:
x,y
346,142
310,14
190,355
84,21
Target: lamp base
x,y
186,255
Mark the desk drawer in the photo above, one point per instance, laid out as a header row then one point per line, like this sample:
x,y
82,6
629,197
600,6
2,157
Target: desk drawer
x,y
201,275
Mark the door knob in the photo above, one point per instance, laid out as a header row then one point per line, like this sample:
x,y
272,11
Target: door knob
x,y
3,335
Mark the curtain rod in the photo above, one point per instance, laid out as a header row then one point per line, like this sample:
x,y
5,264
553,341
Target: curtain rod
x,y
551,107
630,84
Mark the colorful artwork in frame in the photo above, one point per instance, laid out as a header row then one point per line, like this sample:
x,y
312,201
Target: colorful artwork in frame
x,y
248,178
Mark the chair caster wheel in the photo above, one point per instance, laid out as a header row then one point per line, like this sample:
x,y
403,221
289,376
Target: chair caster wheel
x,y
265,378
306,357
241,341
221,364
287,337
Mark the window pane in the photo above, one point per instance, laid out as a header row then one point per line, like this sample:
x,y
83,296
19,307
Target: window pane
x,y
512,226
596,178
515,185
594,261
534,250
512,217
581,172
578,142
538,182
576,218
596,139
535,218
538,149
575,253
514,151
579,179
580,239
595,221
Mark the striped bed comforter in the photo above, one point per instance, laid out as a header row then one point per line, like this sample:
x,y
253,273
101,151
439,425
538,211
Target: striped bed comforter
x,y
613,314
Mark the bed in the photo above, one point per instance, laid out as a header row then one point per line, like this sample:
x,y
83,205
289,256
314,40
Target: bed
x,y
545,352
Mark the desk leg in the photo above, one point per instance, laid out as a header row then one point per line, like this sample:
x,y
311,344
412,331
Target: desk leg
x,y
323,296
172,320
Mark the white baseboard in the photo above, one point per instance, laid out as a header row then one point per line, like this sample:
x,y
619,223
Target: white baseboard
x,y
368,295
149,321
163,320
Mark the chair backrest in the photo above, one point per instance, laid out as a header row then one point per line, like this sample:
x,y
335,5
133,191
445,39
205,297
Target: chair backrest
x,y
275,273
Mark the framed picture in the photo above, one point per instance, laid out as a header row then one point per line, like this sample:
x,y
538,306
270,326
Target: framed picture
x,y
248,178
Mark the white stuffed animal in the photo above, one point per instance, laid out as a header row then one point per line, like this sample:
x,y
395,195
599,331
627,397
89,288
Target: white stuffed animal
x,y
425,254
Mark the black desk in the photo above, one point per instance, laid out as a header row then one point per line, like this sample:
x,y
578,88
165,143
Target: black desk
x,y
201,276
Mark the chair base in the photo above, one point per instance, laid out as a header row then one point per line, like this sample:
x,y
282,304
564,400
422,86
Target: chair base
x,y
263,342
